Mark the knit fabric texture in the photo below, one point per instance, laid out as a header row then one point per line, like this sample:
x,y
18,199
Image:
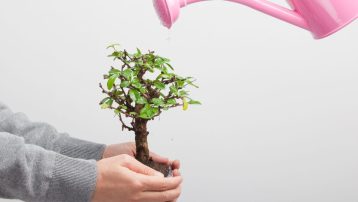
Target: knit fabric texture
x,y
37,163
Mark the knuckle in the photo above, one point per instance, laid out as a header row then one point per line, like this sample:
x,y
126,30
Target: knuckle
x,y
163,185
146,170
166,196
137,185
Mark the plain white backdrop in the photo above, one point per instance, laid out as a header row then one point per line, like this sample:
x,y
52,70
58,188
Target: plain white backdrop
x,y
279,116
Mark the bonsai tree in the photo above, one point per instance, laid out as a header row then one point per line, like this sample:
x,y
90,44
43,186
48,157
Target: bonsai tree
x,y
139,89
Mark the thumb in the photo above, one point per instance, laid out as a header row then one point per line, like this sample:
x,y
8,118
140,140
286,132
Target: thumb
x,y
136,166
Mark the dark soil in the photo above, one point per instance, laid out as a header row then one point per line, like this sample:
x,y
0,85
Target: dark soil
x,y
163,168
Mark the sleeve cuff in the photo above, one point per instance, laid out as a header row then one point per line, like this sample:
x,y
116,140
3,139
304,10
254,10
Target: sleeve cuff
x,y
78,148
73,180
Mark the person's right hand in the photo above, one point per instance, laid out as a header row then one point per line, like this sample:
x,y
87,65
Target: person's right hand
x,y
124,179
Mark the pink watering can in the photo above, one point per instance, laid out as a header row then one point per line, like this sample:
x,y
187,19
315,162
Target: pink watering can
x,y
321,17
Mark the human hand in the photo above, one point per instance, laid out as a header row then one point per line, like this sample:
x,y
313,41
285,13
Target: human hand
x,y
176,173
122,178
129,148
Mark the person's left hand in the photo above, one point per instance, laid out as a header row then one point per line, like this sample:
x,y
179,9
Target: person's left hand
x,y
129,148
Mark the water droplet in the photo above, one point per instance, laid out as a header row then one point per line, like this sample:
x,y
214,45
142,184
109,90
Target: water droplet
x,y
169,36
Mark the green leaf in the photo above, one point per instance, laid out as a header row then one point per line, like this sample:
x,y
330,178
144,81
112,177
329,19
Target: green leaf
x,y
183,93
139,53
143,90
107,103
165,70
118,92
171,101
151,70
159,62
165,60
174,90
124,84
104,100
157,101
123,107
165,76
191,83
134,95
194,102
147,66
128,74
136,83
113,46
185,104
141,100
104,106
170,66
111,81
117,111
114,71
117,54
133,113
159,85
148,112
180,83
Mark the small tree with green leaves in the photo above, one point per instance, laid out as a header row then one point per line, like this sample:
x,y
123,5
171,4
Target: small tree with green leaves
x,y
140,89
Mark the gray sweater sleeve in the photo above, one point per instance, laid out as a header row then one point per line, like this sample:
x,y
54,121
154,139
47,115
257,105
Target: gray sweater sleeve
x,y
31,173
47,137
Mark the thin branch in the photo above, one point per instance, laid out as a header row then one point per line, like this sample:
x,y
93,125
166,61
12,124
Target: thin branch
x,y
128,100
172,80
125,58
171,96
160,111
123,124
119,101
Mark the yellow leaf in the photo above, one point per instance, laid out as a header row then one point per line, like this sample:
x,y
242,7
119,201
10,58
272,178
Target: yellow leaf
x,y
185,104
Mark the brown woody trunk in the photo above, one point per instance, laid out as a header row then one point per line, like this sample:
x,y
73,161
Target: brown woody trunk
x,y
141,133
142,150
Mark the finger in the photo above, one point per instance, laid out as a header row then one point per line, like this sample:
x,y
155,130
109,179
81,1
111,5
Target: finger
x,y
176,173
175,164
158,158
161,184
169,195
136,166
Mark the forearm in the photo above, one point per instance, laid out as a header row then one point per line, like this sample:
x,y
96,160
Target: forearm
x,y
31,173
47,137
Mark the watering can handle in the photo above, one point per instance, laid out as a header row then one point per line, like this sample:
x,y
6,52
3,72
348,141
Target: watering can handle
x,y
276,11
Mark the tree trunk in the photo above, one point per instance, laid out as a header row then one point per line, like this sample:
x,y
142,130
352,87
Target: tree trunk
x,y
141,133
142,150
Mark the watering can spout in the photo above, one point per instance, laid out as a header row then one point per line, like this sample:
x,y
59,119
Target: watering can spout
x,y
321,17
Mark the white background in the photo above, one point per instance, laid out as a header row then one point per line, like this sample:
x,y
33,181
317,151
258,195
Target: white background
x,y
279,116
